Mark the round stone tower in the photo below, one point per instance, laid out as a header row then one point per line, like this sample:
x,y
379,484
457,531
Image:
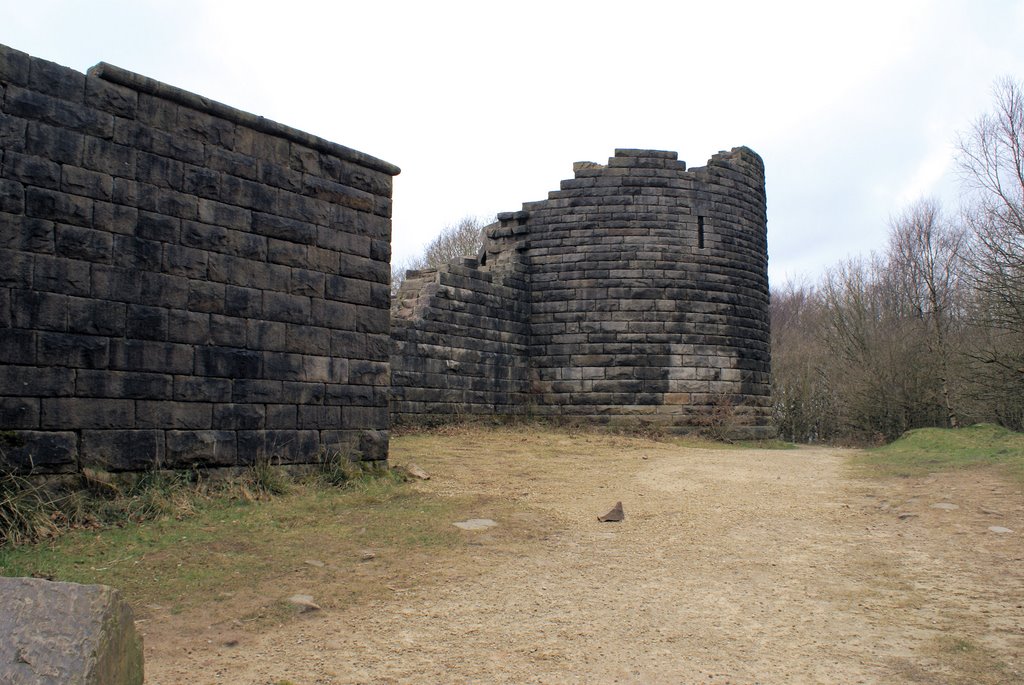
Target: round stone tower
x,y
648,292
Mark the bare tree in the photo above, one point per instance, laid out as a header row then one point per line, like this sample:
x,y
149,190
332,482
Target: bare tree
x,y
461,239
991,159
925,262
802,398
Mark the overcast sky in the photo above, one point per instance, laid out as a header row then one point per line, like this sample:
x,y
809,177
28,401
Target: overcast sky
x,y
854,107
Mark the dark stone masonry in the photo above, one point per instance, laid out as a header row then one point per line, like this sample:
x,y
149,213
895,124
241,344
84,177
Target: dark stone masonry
x,y
635,294
187,285
182,284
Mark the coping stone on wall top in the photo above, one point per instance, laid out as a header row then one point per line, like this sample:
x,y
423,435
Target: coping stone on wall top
x,y
114,74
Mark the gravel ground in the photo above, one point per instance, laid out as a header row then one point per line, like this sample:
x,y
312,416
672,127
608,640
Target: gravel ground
x,y
731,566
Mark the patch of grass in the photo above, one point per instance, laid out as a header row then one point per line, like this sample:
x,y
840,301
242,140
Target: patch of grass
x,y
264,479
927,450
970,662
706,443
229,544
27,511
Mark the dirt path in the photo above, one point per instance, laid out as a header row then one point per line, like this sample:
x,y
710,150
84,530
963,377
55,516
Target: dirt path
x,y
737,566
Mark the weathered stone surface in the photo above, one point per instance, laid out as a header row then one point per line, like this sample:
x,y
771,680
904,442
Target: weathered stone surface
x,y
182,279
66,634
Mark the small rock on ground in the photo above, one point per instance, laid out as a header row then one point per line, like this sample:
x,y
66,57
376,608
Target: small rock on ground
x,y
946,505
1000,529
475,524
303,602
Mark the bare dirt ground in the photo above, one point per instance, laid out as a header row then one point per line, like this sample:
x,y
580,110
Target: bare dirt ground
x,y
732,566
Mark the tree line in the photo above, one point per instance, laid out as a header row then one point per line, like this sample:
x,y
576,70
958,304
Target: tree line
x,y
929,331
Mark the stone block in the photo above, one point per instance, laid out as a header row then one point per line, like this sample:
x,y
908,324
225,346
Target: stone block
x,y
305,392
288,253
40,452
20,233
96,317
18,412
122,450
266,335
40,310
168,414
185,261
188,327
43,203
320,417
256,390
27,381
200,448
64,413
107,216
122,384
162,289
148,355
284,446
13,131
154,226
137,253
17,346
282,365
111,97
226,215
202,389
32,171
109,157
243,302
282,416
78,181
239,416
55,144
273,226
65,633
227,331
77,242
228,362
73,350
196,180
205,296
286,308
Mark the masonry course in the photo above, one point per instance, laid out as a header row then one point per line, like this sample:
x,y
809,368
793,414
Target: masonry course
x,y
183,284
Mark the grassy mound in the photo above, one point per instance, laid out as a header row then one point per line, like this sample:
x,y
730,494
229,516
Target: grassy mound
x,y
926,450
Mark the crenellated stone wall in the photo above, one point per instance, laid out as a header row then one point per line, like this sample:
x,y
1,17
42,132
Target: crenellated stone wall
x,y
183,284
644,292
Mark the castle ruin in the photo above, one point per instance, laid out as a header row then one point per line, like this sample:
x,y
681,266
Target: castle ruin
x,y
635,294
186,285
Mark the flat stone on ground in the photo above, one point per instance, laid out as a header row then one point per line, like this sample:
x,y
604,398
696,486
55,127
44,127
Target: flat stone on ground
x,y
475,524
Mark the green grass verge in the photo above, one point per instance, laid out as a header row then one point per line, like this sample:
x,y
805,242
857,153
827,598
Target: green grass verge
x,y
226,542
927,450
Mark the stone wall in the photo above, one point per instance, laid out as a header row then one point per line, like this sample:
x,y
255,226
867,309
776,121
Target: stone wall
x,y
645,295
184,284
459,344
